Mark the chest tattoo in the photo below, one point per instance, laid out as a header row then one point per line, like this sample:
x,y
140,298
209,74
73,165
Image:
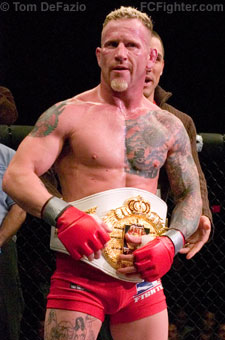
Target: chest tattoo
x,y
146,146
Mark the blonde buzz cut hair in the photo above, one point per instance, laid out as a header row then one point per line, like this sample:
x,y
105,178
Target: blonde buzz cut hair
x,y
129,13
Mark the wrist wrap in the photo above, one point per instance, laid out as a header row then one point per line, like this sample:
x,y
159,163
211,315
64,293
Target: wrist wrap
x,y
52,209
176,237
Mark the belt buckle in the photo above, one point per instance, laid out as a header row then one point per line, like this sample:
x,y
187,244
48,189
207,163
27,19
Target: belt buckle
x,y
136,217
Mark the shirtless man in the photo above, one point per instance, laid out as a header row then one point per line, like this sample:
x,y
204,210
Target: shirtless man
x,y
96,142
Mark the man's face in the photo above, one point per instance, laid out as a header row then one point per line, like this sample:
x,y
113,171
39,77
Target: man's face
x,y
153,76
124,54
172,331
221,331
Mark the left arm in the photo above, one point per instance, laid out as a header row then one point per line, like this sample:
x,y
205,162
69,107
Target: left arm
x,y
11,223
184,181
202,234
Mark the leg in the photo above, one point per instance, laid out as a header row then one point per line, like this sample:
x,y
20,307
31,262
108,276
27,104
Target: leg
x,y
150,328
70,325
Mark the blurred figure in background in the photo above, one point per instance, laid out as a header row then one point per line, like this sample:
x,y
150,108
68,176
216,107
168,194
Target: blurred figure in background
x,y
11,219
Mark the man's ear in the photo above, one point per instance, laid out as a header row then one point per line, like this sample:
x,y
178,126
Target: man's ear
x,y
152,59
162,68
98,55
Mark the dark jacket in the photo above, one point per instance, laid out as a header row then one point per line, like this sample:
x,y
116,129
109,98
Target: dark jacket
x,y
161,97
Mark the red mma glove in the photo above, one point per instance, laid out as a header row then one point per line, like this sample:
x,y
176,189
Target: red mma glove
x,y
80,233
155,259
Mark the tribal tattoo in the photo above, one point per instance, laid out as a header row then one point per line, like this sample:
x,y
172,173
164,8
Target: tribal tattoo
x,y
48,121
146,145
81,329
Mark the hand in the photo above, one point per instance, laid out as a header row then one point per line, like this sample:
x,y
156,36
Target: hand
x,y
198,239
152,261
81,234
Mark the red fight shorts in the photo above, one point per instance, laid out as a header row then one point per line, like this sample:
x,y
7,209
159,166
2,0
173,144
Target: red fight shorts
x,y
79,287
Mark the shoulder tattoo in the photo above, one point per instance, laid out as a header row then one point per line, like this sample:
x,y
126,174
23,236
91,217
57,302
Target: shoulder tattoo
x,y
48,121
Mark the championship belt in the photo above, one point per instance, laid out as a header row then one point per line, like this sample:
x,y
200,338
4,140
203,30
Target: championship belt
x,y
124,210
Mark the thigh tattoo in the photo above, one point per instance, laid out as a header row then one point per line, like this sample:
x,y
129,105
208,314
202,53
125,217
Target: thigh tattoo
x,y
81,328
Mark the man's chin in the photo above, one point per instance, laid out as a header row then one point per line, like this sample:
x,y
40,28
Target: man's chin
x,y
119,85
147,92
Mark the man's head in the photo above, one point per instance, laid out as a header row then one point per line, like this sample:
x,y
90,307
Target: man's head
x,y
173,332
129,13
125,48
8,110
221,331
153,75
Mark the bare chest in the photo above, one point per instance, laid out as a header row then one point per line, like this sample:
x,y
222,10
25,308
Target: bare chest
x,y
138,145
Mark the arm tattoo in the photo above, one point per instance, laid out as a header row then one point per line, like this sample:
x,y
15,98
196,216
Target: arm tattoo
x,y
184,181
81,329
146,146
48,121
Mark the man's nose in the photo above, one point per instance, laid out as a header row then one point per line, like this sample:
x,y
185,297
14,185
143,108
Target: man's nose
x,y
121,52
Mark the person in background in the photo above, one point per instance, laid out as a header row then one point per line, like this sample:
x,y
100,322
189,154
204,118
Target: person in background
x,y
11,219
157,95
8,110
173,332
11,296
220,335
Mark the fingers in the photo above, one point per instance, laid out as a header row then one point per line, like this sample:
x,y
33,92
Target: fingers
x,y
127,270
97,254
106,227
91,257
129,257
133,239
194,250
191,249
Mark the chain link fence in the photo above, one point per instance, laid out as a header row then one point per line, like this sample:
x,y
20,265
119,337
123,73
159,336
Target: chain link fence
x,y
192,287
196,287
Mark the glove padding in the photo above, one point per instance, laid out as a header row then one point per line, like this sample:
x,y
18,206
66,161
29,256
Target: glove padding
x,y
80,233
154,259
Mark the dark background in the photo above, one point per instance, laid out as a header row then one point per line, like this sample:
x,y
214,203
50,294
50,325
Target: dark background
x,y
50,56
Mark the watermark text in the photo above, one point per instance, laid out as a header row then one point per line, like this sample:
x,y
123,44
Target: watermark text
x,y
179,7
42,6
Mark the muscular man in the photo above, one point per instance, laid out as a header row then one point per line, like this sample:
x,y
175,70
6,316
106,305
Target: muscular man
x,y
156,94
108,140
11,297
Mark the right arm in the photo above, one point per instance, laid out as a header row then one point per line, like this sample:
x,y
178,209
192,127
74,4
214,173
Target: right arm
x,y
35,156
80,233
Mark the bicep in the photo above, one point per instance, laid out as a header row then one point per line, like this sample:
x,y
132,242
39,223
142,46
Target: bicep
x,y
37,153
